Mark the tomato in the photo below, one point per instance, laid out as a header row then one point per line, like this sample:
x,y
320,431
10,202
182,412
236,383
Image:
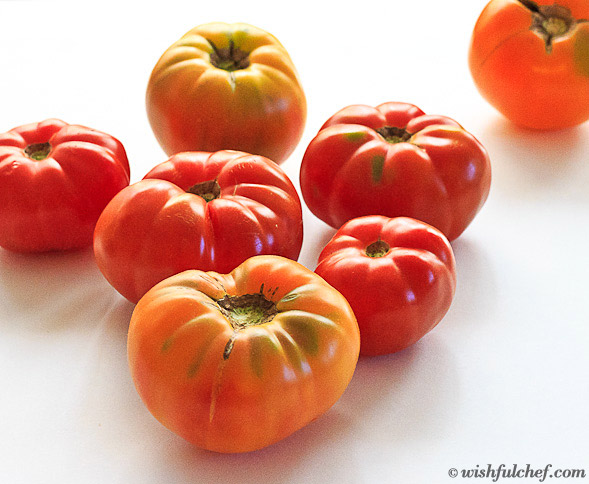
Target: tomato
x,y
530,60
227,86
198,210
398,274
55,179
394,160
236,362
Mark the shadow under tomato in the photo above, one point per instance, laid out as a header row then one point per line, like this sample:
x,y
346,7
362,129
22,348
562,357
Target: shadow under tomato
x,y
407,396
476,295
112,424
52,291
391,399
528,163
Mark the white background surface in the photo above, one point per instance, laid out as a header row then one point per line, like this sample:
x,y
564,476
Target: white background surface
x,y
502,380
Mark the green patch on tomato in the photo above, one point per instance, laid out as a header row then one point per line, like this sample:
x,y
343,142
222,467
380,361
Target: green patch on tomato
x,y
355,136
581,51
377,168
304,333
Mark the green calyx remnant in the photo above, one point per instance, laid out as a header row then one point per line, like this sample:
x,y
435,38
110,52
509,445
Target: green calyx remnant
x,y
244,311
378,249
209,190
229,58
38,151
550,21
247,310
393,135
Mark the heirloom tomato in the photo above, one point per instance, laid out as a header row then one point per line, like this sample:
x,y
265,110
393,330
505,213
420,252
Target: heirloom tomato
x,y
235,362
394,160
398,274
227,86
198,210
55,179
530,60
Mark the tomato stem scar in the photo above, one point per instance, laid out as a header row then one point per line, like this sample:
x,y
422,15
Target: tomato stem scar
x,y
550,21
393,135
378,249
229,58
38,151
244,311
209,190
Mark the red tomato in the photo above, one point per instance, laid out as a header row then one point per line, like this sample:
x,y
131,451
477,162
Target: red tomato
x,y
227,86
394,160
530,60
236,362
55,179
398,274
207,211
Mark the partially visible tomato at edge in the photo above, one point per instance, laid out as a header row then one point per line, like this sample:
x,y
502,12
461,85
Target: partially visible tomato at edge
x,y
530,60
55,180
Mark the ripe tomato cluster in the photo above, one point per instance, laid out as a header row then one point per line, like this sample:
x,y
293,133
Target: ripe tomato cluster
x,y
233,345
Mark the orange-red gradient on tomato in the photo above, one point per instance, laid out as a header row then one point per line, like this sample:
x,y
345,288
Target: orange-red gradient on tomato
x,y
235,362
530,60
227,86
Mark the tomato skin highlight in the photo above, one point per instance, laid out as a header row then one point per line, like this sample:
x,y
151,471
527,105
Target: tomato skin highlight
x,y
55,179
399,293
535,83
273,379
394,160
160,226
227,86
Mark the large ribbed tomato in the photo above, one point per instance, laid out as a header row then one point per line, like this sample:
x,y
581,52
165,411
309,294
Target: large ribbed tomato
x,y
398,274
198,210
530,60
394,160
55,179
227,86
236,362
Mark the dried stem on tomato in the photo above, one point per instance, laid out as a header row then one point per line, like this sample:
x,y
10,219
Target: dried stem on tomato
x,y
229,58
550,21
393,135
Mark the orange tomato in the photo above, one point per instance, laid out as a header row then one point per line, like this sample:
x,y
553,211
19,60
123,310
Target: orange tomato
x,y
227,86
530,60
236,362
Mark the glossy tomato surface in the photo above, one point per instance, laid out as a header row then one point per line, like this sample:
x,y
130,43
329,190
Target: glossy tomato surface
x,y
198,210
236,362
227,86
530,60
55,179
394,160
398,274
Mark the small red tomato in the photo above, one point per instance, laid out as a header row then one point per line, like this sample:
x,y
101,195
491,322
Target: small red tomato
x,y
207,211
530,60
394,160
55,179
398,274
227,86
235,362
